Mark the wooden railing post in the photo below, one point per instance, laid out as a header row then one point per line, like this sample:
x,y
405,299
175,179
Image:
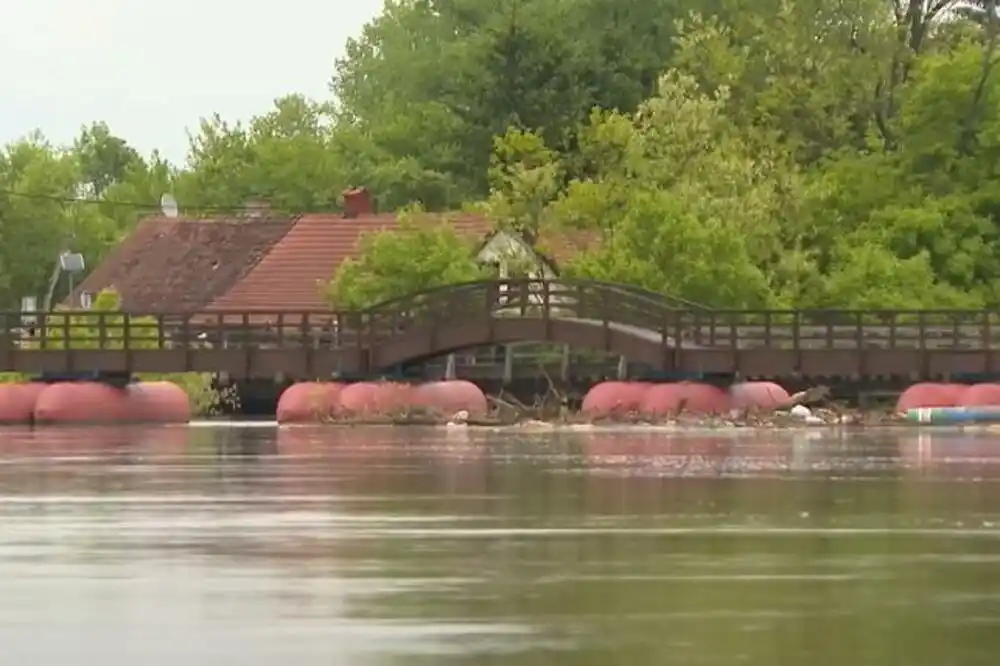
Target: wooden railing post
x,y
922,344
220,333
665,352
67,332
986,331
678,336
126,332
161,332
126,342
102,333
186,342
6,341
547,309
247,344
606,319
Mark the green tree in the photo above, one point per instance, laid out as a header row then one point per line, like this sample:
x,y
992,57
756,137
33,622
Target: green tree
x,y
680,203
104,159
282,157
536,65
425,252
39,219
525,177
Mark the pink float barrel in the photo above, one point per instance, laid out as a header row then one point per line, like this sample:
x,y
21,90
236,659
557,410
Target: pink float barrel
x,y
451,396
157,402
81,402
758,396
375,399
309,402
929,394
685,397
980,395
17,402
614,398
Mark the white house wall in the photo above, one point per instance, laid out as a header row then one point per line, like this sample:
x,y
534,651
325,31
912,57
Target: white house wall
x,y
505,250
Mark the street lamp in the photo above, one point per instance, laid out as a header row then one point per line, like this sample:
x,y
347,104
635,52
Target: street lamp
x,y
71,263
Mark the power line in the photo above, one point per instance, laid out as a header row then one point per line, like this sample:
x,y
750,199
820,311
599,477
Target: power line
x,y
157,206
38,196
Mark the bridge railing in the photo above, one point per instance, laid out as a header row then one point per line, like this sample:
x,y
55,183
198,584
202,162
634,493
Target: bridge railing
x,y
843,329
110,331
523,298
582,301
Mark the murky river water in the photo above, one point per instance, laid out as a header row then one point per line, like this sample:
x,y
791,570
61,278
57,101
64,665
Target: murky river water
x,y
225,545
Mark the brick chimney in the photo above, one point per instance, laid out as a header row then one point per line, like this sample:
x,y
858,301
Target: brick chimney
x,y
357,202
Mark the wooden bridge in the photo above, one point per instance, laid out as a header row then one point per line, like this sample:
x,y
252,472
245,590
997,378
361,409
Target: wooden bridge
x,y
662,333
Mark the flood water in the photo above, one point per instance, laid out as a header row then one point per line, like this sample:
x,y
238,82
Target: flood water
x,y
250,545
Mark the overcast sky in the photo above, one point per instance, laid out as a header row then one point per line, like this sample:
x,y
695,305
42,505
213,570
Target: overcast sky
x,y
151,68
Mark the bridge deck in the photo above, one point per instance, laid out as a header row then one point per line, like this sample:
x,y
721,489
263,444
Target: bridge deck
x,y
629,322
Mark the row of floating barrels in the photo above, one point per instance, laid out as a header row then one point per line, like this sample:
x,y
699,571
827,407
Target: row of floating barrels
x,y
165,402
310,402
608,398
612,398
929,395
93,402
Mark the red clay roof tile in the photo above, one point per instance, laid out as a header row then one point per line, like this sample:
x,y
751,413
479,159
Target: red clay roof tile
x,y
173,266
276,265
292,276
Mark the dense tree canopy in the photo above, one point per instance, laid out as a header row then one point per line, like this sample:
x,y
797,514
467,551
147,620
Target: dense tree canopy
x,y
794,153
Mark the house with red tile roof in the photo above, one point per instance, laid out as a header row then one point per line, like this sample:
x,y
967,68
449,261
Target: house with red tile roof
x,y
171,265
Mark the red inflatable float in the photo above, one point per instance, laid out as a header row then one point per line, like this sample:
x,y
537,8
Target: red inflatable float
x,y
82,402
980,395
375,398
158,402
684,397
309,402
451,396
614,398
929,395
17,402
762,396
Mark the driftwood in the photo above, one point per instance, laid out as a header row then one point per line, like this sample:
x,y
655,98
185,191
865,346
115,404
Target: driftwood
x,y
811,396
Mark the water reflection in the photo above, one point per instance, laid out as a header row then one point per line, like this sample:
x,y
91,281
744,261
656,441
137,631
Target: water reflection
x,y
375,545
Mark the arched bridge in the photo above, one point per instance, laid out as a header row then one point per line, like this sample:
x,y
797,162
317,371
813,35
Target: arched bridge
x,y
661,332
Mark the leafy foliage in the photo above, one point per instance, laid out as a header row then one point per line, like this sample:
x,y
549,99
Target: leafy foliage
x,y
424,253
806,153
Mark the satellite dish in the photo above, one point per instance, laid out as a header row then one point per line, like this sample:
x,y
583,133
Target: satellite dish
x,y
168,205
